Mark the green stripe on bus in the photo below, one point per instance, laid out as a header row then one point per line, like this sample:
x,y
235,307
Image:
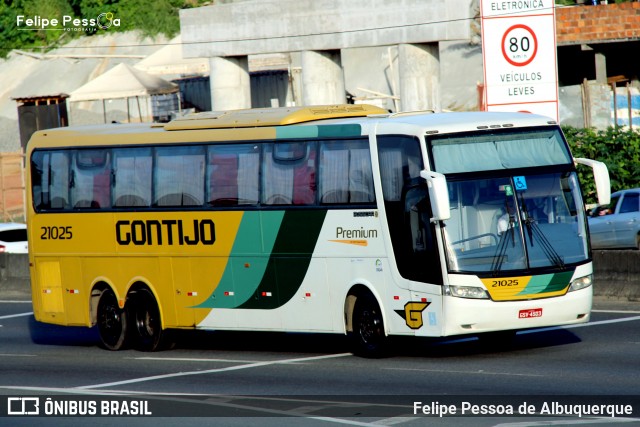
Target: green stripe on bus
x,y
339,130
312,131
559,281
248,259
547,283
284,132
289,260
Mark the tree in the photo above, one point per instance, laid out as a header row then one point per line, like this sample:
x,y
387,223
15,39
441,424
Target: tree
x,y
618,148
151,18
14,37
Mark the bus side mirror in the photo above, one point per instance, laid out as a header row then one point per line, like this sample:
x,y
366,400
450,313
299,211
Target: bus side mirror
x,y
601,177
438,195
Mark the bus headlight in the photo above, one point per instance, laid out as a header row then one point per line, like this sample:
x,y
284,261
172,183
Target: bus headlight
x,y
468,292
581,283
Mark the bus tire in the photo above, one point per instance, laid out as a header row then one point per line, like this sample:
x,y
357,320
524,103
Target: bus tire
x,y
112,322
368,337
146,324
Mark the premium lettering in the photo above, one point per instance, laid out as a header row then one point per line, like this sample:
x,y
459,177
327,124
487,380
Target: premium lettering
x,y
165,232
342,233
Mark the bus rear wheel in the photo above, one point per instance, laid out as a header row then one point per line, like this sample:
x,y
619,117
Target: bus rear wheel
x,y
112,322
146,323
368,337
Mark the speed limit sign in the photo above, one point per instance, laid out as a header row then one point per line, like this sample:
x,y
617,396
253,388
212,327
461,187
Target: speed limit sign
x,y
519,56
519,45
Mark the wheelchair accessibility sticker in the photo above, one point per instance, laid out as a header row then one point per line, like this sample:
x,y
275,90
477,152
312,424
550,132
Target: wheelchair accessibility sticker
x,y
520,183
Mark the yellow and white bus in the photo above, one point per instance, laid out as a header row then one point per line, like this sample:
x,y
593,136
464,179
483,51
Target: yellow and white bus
x,y
332,219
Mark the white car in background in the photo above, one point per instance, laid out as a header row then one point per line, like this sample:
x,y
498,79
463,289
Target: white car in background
x,y
13,238
617,225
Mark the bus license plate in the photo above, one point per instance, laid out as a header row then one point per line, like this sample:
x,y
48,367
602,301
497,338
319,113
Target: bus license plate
x,y
532,312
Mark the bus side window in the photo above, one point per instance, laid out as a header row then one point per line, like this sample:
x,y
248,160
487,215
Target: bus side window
x,y
345,173
51,180
232,175
288,174
39,179
132,177
91,179
179,176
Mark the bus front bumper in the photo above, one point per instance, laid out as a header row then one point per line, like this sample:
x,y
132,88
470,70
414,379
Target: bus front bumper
x,y
471,316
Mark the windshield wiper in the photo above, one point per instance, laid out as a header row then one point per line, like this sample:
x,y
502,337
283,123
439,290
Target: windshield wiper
x,y
499,257
534,230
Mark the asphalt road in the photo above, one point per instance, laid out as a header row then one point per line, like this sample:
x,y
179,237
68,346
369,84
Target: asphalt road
x,y
306,379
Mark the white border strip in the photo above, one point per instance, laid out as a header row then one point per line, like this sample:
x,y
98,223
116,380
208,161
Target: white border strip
x,y
212,371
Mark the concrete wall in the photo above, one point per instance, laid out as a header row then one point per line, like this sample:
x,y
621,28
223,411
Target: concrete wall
x,y
14,277
254,27
389,53
617,275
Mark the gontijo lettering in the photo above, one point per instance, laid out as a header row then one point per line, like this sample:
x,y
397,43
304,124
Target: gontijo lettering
x,y
165,232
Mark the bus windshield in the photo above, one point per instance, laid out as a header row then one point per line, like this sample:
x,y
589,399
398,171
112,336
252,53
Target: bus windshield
x,y
499,150
515,223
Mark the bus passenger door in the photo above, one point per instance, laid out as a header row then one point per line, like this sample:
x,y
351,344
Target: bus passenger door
x,y
415,243
413,237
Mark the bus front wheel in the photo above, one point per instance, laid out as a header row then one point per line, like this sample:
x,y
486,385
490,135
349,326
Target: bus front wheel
x,y
146,323
112,322
368,336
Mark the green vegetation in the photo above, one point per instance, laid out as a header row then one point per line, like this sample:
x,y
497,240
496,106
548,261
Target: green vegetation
x,y
619,149
150,18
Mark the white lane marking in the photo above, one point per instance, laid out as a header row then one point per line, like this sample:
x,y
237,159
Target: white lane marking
x,y
617,311
393,421
16,355
190,359
478,372
16,315
95,392
581,325
213,371
14,302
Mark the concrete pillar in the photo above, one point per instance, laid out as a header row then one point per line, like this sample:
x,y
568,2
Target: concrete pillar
x,y
419,70
230,85
601,68
322,78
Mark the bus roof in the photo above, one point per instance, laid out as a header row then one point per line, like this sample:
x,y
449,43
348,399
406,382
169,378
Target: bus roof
x,y
261,117
266,123
467,121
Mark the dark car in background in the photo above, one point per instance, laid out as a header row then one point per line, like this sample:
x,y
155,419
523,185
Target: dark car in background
x,y
617,225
